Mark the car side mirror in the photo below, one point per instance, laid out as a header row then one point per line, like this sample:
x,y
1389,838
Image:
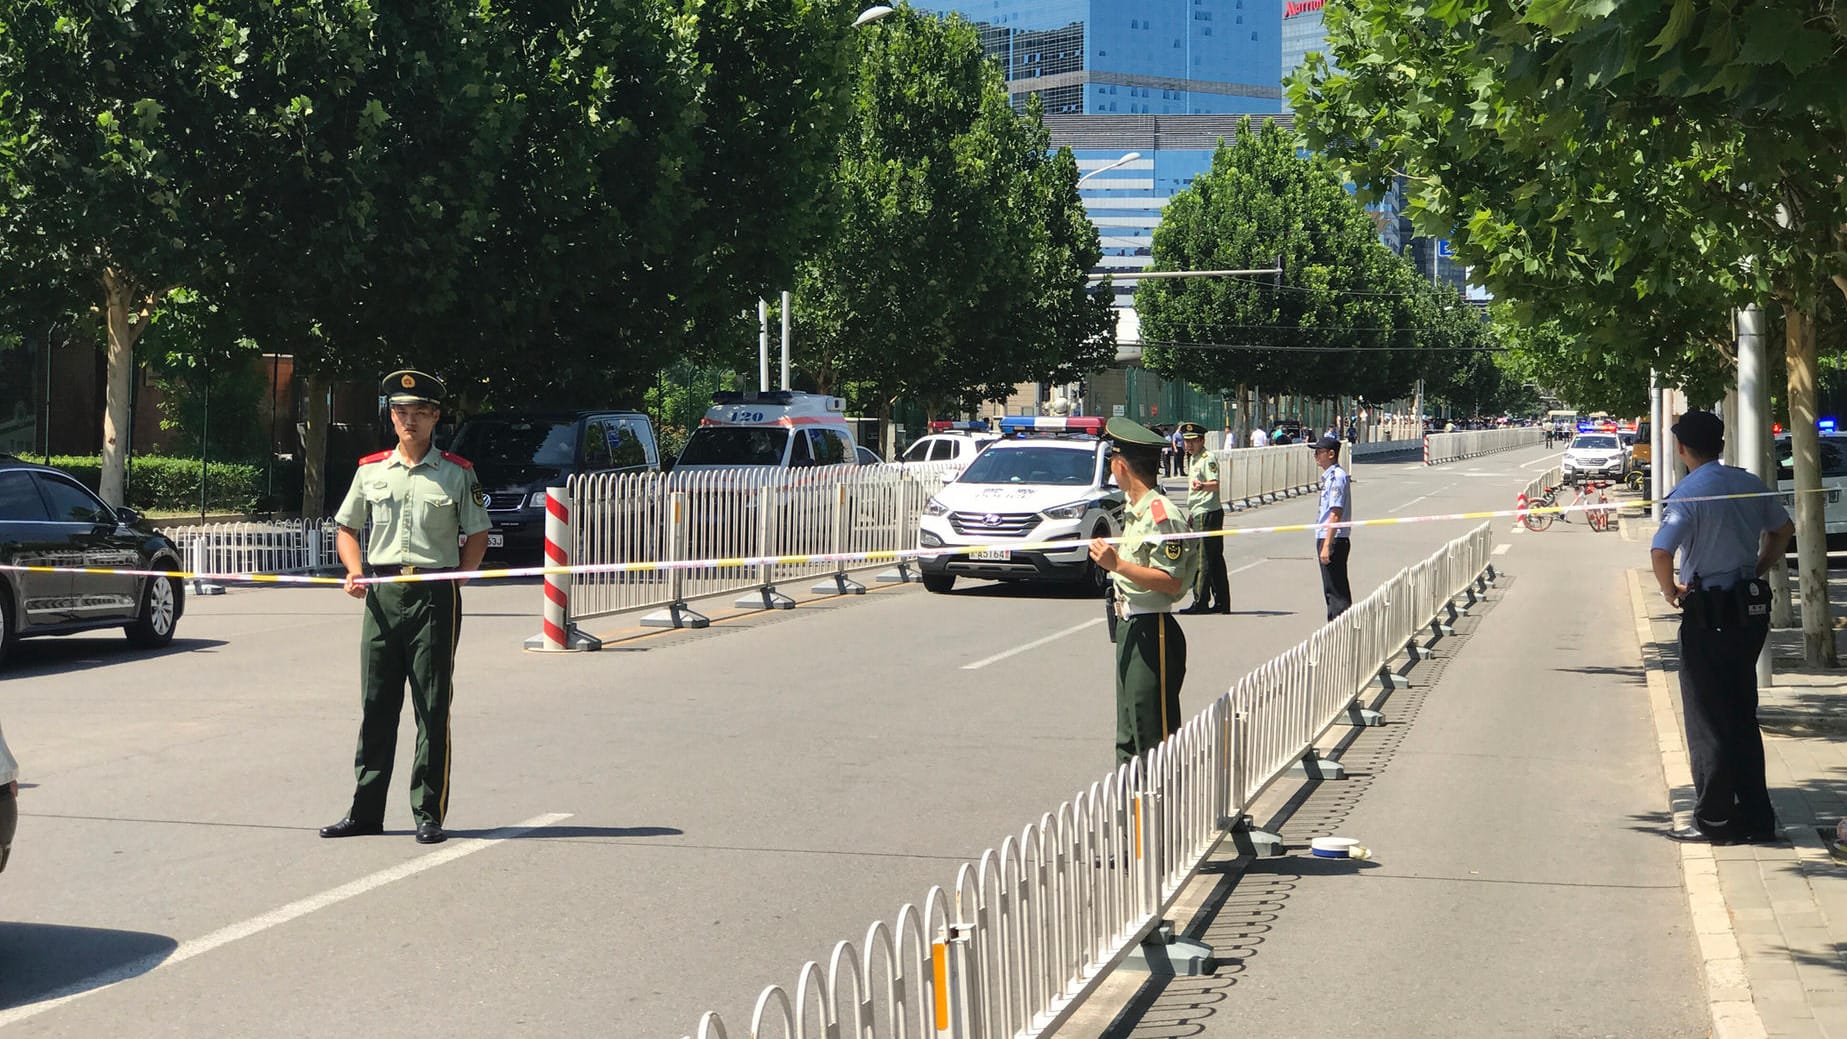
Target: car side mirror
x,y
127,517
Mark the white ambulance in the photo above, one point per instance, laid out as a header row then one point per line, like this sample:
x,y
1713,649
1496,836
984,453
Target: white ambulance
x,y
1046,479
779,429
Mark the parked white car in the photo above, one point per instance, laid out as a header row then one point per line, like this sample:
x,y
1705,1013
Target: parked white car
x,y
1833,478
1595,456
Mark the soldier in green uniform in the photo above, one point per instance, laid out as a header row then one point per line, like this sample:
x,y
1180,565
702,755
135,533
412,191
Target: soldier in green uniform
x,y
1149,578
421,503
1205,512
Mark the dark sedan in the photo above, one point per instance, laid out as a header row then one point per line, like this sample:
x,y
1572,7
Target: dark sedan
x,y
47,518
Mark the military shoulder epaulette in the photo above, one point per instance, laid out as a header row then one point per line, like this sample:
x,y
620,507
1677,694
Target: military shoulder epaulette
x,y
459,460
379,457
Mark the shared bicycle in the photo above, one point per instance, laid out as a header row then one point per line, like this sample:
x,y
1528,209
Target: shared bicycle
x,y
1599,512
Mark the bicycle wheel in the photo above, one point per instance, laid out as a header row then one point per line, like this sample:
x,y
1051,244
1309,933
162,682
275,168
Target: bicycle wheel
x,y
1537,521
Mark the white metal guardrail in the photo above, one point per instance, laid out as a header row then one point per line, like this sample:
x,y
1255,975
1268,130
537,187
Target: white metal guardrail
x,y
1451,447
275,546
1027,931
1251,476
736,514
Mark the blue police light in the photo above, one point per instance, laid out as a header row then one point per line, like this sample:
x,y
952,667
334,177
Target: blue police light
x,y
1826,425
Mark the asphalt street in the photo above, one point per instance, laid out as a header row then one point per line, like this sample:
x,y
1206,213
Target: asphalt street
x,y
644,833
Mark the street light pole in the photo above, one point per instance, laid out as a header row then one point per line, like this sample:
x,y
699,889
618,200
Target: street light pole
x,y
1118,164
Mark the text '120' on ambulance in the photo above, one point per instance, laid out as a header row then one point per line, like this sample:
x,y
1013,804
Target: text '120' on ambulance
x,y
1046,480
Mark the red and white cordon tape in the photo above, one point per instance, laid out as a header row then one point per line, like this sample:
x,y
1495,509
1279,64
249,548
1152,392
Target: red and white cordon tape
x,y
556,636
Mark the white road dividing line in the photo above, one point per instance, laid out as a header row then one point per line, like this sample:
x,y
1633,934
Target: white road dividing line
x,y
1408,504
1418,468
1034,644
1546,461
274,918
1501,549
1247,566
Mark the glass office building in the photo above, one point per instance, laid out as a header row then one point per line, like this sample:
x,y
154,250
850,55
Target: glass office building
x,y
1303,31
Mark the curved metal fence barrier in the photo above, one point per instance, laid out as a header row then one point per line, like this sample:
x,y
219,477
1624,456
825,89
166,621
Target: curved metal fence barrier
x,y
276,546
1026,932
1251,476
1450,447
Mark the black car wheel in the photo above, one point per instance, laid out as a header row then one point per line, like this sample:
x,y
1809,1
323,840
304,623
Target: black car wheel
x,y
1097,579
939,583
160,614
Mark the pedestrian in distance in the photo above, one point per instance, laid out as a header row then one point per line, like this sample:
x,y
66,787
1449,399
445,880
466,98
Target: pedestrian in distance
x,y
1205,512
421,504
1259,438
1726,545
1332,544
1148,577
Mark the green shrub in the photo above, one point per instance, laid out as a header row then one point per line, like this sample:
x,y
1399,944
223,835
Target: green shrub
x,y
172,484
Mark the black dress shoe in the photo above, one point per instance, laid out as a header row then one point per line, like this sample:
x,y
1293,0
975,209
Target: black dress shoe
x,y
347,827
1695,835
1190,611
430,833
1220,609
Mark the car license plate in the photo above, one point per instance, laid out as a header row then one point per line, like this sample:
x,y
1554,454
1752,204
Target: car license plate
x,y
495,539
992,555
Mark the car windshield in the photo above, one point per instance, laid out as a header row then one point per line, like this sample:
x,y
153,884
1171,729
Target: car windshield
x,y
1045,465
1602,442
496,441
735,445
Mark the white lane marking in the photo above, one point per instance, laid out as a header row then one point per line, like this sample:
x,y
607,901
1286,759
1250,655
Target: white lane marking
x,y
1420,467
274,918
1408,504
1546,461
1034,644
1247,566
1501,549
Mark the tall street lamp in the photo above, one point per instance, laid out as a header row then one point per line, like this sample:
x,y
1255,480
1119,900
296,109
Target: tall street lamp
x,y
873,14
1118,164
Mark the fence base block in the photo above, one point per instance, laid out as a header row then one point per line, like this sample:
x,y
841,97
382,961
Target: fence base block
x,y
1364,716
766,598
1418,651
1315,767
838,584
903,573
1392,680
678,615
1167,956
575,641
1261,844
206,588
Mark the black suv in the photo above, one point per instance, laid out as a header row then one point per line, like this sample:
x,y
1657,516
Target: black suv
x,y
47,518
518,454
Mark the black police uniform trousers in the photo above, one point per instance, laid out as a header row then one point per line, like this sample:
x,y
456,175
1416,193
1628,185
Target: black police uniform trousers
x,y
1718,696
1334,587
1212,588
408,636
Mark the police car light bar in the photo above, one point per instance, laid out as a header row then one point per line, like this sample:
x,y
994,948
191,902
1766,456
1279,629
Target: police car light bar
x,y
946,426
1018,424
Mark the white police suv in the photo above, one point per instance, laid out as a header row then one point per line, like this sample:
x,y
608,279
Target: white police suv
x,y
1046,480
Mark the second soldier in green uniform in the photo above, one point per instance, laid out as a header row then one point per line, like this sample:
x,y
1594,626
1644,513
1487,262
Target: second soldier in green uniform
x,y
1150,577
420,503
1205,512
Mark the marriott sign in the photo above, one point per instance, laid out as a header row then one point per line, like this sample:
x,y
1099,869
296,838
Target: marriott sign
x,y
1291,8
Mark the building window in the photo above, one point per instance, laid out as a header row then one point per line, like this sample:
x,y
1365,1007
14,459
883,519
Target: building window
x,y
1253,37
1207,31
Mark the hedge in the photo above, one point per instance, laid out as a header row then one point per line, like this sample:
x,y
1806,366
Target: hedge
x,y
172,484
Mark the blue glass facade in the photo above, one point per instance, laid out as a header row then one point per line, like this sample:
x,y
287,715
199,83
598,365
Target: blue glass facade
x,y
1131,57
1303,31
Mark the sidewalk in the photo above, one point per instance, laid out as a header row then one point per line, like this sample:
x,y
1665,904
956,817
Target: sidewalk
x,y
1772,920
1519,885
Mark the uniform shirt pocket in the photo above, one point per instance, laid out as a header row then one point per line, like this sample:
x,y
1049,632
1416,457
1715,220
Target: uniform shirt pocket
x,y
381,507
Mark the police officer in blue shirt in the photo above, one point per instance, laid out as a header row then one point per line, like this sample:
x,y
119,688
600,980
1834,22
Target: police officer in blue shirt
x,y
1726,546
1332,544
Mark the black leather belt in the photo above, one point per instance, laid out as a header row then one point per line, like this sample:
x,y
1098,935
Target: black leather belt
x,y
401,571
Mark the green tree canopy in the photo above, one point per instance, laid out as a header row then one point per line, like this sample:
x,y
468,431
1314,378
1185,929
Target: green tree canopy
x,y
1346,316
958,265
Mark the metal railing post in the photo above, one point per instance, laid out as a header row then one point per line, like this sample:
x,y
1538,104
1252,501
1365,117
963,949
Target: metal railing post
x,y
764,596
676,614
838,583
